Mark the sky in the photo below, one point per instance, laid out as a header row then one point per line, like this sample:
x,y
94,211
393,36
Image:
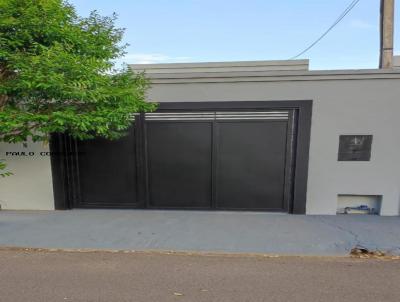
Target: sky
x,y
171,31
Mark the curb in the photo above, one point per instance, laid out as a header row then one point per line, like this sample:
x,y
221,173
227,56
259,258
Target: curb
x,y
192,253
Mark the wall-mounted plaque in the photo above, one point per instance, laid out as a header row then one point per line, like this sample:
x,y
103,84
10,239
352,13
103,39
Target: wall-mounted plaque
x,y
355,147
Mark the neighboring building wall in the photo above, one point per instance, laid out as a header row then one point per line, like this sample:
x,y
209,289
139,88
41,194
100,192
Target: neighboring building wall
x,y
343,104
30,187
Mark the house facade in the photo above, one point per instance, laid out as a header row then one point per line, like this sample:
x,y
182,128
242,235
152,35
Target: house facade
x,y
262,136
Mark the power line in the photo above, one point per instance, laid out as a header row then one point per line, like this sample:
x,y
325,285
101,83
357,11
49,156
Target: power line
x,y
340,18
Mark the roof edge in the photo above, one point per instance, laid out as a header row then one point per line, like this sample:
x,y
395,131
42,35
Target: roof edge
x,y
248,66
304,62
263,76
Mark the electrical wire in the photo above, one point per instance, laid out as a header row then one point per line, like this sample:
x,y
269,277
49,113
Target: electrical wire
x,y
340,18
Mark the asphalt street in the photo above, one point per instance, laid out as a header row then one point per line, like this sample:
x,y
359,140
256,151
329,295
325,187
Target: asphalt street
x,y
28,275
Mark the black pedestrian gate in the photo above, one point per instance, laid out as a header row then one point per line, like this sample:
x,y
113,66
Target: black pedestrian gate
x,y
184,157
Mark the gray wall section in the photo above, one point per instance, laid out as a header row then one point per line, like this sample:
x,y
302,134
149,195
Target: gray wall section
x,y
341,106
30,188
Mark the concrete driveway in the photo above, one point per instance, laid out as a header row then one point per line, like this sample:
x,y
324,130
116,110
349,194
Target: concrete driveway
x,y
232,232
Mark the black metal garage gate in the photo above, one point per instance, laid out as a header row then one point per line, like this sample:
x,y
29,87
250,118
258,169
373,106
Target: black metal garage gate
x,y
225,156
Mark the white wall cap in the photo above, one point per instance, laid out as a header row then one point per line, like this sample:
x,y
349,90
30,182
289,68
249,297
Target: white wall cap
x,y
283,65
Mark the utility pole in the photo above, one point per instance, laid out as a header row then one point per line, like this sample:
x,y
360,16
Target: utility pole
x,y
387,30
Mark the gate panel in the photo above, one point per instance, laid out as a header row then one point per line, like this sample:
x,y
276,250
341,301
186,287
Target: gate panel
x,y
107,172
179,163
250,170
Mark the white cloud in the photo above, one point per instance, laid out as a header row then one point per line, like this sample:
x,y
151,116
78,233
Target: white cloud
x,y
151,58
361,24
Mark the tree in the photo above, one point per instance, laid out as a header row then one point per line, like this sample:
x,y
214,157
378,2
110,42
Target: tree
x,y
3,172
57,74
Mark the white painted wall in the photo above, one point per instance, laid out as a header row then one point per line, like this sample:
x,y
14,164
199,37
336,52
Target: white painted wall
x,y
30,188
364,106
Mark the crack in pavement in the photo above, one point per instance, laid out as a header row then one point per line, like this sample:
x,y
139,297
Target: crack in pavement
x,y
357,241
394,249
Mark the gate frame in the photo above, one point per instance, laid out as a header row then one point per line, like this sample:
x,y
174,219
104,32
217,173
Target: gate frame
x,y
64,153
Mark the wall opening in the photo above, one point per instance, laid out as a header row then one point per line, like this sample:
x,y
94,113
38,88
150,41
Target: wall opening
x,y
359,204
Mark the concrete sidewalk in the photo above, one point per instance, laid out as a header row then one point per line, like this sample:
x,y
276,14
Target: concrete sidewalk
x,y
237,232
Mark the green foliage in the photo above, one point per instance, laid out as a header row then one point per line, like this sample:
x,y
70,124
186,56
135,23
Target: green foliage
x,y
57,74
3,167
